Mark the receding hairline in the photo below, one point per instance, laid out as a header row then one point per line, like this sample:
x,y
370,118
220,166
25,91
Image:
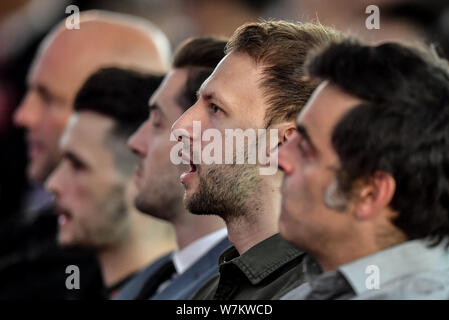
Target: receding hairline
x,y
150,37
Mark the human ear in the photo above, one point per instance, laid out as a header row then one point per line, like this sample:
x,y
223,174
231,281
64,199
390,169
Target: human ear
x,y
374,194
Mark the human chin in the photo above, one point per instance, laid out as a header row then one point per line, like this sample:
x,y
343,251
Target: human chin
x,y
65,239
141,199
66,235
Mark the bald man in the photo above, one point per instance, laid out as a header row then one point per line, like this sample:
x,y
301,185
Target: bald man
x,y
63,62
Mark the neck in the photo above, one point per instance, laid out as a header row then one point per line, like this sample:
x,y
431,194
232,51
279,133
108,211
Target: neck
x,y
190,227
337,254
343,255
246,231
120,260
146,239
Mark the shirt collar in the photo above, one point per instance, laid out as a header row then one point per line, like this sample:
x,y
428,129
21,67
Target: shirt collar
x,y
311,269
261,260
184,258
37,201
404,259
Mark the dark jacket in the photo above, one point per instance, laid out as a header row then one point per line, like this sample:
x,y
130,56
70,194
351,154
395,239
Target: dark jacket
x,y
266,271
33,265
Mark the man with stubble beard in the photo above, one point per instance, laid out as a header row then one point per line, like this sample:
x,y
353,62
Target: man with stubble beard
x,y
93,183
258,85
200,239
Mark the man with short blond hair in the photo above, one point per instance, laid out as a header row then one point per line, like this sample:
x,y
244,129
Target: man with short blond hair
x,y
258,85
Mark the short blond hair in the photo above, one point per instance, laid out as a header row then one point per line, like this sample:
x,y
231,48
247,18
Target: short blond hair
x,y
282,48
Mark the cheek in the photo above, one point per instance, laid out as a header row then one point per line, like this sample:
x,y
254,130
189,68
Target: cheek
x,y
158,156
301,195
51,131
57,117
82,196
294,206
159,148
295,183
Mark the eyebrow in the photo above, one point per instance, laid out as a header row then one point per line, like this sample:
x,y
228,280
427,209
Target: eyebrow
x,y
210,96
200,90
42,90
72,157
155,107
302,130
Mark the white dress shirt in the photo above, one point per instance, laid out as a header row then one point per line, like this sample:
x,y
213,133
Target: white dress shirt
x,y
183,259
187,256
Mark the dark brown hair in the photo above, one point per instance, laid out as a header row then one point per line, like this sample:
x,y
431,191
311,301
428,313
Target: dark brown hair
x,y
282,47
401,127
200,56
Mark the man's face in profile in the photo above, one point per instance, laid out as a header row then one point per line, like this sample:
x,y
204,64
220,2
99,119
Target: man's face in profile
x,y
157,178
313,210
229,99
88,188
44,113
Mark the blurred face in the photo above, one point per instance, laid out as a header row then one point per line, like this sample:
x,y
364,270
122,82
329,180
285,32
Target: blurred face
x,y
157,179
312,211
66,59
44,113
229,99
89,191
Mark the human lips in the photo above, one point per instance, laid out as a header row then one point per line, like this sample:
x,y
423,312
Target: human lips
x,y
35,147
64,216
139,171
185,176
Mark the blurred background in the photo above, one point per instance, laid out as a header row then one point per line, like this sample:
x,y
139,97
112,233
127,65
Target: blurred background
x,y
23,24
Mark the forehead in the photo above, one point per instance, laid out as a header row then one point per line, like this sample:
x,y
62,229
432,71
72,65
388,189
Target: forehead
x,y
166,96
67,57
85,135
236,80
324,110
62,66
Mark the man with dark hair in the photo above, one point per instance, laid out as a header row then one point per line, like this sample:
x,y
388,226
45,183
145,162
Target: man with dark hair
x,y
200,239
93,182
366,187
258,85
35,267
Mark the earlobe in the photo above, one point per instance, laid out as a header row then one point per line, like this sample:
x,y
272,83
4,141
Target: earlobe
x,y
375,195
386,186
285,132
365,202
